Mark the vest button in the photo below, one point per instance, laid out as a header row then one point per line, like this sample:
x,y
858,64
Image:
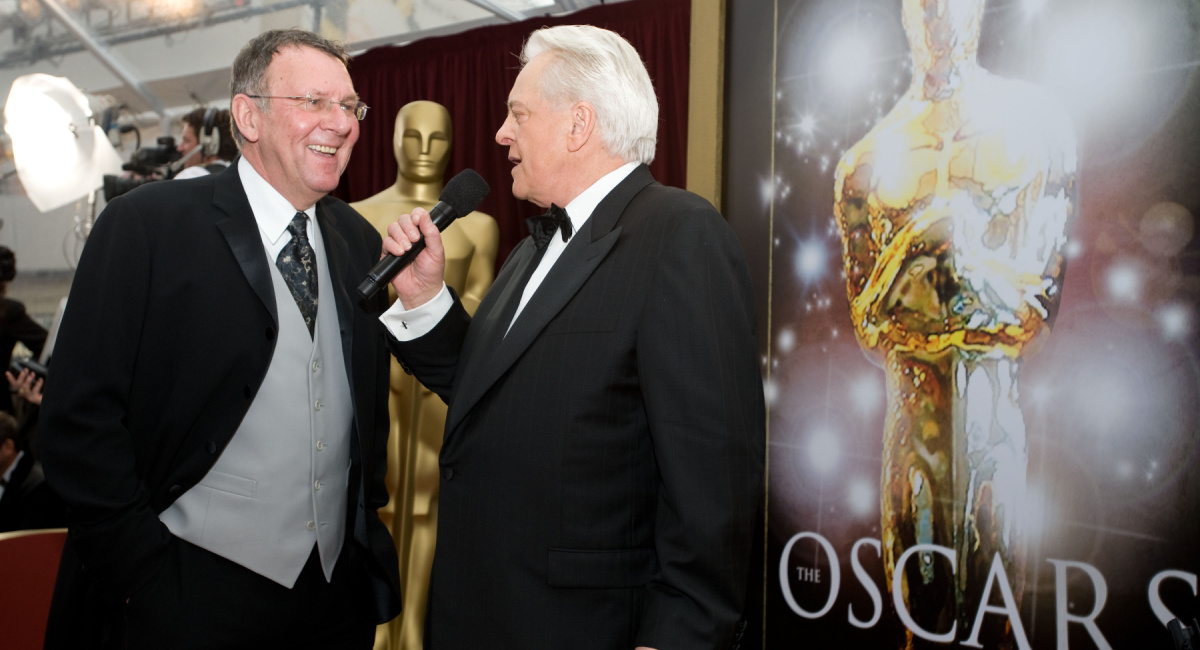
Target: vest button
x,y
312,525
316,485
270,333
448,473
317,405
316,366
320,446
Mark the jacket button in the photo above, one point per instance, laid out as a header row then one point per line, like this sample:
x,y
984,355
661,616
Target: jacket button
x,y
448,473
175,489
270,333
247,391
212,447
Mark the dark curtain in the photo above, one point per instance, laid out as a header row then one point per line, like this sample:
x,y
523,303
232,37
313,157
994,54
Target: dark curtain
x,y
471,73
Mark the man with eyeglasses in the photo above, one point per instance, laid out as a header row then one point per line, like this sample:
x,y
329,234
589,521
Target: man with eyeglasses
x,y
217,420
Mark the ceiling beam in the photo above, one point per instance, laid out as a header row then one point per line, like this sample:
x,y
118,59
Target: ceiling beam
x,y
106,57
504,12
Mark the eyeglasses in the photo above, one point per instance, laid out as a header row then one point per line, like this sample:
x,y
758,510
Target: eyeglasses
x,y
357,110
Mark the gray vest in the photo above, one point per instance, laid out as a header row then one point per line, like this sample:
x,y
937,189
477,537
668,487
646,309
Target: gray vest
x,y
280,485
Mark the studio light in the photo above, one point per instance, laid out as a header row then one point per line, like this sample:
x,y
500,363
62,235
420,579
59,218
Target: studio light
x,y
61,154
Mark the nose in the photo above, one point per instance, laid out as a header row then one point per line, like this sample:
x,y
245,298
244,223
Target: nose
x,y
505,135
338,120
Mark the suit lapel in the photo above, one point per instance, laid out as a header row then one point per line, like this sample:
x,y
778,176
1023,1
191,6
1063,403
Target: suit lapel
x,y
487,356
488,326
240,229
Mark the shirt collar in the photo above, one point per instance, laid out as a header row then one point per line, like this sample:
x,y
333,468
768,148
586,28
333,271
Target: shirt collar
x,y
12,468
272,212
581,207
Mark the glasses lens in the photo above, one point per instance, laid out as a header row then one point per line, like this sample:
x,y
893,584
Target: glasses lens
x,y
360,111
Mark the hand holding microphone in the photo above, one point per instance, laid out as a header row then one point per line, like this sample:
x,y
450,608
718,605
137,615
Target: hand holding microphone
x,y
461,196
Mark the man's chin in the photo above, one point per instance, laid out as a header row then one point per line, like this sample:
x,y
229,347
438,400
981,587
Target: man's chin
x,y
519,192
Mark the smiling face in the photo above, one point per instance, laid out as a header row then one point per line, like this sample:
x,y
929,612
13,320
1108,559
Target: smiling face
x,y
301,154
536,134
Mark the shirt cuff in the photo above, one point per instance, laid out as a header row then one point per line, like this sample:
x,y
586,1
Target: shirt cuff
x,y
409,324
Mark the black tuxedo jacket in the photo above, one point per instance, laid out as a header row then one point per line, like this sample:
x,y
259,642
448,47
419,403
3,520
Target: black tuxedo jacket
x,y
168,334
602,464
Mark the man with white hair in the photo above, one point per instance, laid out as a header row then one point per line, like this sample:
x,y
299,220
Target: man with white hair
x,y
603,455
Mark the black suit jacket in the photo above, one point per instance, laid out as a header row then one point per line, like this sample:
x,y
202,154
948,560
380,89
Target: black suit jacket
x,y
602,464
168,334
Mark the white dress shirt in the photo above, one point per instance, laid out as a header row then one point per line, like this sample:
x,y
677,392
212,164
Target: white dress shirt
x,y
272,212
8,473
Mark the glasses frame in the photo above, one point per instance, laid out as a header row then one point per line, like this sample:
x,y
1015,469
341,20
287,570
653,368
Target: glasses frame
x,y
322,104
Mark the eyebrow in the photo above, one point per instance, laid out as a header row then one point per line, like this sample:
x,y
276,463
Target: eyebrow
x,y
352,98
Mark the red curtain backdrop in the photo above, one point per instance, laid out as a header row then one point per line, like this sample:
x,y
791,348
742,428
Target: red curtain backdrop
x,y
471,73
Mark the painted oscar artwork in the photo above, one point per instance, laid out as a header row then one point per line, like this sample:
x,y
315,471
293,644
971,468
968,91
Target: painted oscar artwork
x,y
983,290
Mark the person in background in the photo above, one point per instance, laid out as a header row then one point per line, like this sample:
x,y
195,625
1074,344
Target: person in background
x,y
193,128
602,462
26,501
216,418
15,325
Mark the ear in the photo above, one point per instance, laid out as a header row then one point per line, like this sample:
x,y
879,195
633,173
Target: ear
x,y
247,116
583,126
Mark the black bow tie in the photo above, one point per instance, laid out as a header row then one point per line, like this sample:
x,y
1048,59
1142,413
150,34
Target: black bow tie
x,y
542,227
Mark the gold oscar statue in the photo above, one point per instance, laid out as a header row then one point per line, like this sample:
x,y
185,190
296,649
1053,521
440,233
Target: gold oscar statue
x,y
422,145
953,212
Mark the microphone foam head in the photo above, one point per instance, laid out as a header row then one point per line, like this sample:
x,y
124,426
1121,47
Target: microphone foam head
x,y
465,192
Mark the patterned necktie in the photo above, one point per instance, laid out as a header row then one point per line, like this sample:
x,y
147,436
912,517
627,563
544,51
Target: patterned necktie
x,y
542,227
298,264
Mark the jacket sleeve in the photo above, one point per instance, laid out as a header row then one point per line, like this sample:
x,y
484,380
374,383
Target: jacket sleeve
x,y
24,329
87,450
433,358
703,392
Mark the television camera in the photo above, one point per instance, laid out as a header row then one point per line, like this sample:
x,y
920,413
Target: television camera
x,y
163,161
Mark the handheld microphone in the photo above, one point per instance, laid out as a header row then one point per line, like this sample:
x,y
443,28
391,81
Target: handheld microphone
x,y
461,196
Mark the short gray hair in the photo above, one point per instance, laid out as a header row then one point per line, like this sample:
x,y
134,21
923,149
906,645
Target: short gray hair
x,y
250,67
601,68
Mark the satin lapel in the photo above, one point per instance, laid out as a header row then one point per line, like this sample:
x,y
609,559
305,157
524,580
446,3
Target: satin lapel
x,y
578,260
240,229
337,255
499,352
488,326
489,358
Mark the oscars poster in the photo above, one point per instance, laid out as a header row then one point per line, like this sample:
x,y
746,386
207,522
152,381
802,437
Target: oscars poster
x,y
973,230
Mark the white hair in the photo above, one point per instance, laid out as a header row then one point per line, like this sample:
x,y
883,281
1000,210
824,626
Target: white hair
x,y
599,67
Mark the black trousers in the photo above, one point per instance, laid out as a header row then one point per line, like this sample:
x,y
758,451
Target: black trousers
x,y
202,601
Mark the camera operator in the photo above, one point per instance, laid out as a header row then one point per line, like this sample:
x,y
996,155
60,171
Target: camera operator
x,y
199,164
